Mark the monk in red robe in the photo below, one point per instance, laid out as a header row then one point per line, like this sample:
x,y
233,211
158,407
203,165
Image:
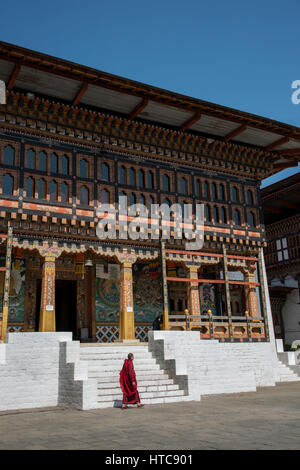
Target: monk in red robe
x,y
128,384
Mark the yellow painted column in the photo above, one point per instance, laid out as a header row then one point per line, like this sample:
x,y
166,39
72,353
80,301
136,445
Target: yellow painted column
x,y
251,296
6,284
47,312
126,322
194,300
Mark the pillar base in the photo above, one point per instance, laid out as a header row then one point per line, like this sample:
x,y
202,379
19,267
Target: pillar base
x,y
128,342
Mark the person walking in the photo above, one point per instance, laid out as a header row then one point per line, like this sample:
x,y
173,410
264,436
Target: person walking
x,y
128,384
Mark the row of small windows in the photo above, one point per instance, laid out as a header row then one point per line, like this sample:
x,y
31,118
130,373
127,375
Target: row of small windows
x,y
145,179
39,162
218,214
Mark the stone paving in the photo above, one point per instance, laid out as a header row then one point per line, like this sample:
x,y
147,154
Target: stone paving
x,y
266,419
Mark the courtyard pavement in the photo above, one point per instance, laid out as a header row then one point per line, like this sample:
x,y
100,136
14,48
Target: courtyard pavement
x,y
266,419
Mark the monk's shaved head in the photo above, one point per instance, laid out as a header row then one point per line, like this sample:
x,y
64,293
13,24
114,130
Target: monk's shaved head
x,y
130,356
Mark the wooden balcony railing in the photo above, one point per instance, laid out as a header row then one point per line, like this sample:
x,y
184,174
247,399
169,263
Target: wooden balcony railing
x,y
220,327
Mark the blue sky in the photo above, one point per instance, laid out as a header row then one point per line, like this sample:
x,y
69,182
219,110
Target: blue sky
x,y
241,54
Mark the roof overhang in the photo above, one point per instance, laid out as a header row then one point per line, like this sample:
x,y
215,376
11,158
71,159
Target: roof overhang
x,y
30,71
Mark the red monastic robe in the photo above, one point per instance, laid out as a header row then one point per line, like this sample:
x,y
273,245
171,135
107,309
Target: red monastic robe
x,y
127,377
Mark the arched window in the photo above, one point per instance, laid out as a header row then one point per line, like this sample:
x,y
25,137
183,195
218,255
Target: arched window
x,y
150,179
235,194
216,214
123,175
167,201
53,191
132,177
198,188
150,201
205,189
251,219
207,213
64,192
29,187
222,192
84,169
132,199
65,165
31,159
214,191
42,161
250,197
183,186
84,195
104,172
121,195
9,155
223,215
166,183
8,184
141,178
141,199
54,163
237,217
42,189
104,196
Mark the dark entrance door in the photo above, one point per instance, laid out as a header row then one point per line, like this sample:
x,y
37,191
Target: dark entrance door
x,y
65,306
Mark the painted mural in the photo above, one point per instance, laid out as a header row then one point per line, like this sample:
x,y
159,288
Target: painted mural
x,y
207,298
107,300
147,294
16,292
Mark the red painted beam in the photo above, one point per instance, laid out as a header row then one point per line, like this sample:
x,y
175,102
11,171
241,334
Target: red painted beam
x,y
139,108
190,122
13,76
235,133
80,93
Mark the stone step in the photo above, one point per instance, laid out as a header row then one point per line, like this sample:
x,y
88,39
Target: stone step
x,y
114,357
141,383
115,368
118,362
140,378
146,401
115,374
116,390
114,350
143,395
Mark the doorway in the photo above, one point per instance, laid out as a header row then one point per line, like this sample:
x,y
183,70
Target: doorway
x,y
65,306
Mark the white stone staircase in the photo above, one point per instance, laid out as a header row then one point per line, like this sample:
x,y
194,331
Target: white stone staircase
x,y
104,362
288,373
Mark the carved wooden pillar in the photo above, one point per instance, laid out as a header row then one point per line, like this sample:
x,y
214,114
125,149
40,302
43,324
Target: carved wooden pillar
x,y
251,296
126,322
47,312
194,301
164,285
6,284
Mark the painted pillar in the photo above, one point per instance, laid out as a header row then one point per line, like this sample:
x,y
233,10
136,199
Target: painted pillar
x,y
47,312
6,283
164,284
194,301
251,296
227,291
126,322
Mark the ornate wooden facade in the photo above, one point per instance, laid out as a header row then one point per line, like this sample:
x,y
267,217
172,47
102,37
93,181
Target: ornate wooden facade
x,y
281,207
61,156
